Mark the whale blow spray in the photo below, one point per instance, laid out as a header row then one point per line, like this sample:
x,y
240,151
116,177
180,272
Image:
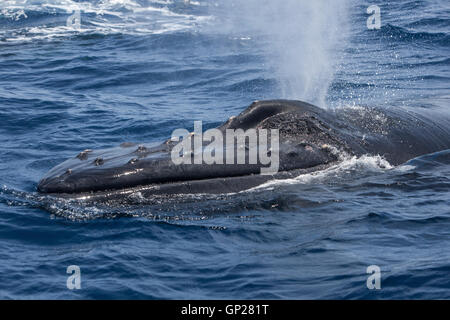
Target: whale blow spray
x,y
302,41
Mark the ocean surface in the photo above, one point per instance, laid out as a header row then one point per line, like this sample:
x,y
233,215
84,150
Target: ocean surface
x,y
95,73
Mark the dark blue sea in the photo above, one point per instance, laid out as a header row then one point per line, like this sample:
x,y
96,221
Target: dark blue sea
x,y
135,70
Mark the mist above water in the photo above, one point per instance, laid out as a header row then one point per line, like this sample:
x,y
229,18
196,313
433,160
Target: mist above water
x,y
304,40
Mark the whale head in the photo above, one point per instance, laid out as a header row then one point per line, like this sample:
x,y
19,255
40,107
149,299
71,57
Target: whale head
x,y
305,141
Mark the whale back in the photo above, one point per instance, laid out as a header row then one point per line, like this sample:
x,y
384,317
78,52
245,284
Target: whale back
x,y
396,134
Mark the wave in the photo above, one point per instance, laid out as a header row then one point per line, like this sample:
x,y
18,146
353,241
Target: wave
x,y
399,34
25,20
364,177
429,21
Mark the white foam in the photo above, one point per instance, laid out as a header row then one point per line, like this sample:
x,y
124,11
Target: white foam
x,y
348,165
405,168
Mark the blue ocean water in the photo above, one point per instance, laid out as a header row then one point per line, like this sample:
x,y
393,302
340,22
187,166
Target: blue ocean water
x,y
136,70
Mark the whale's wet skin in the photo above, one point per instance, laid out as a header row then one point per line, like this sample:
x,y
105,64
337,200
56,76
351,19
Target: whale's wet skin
x,y
311,139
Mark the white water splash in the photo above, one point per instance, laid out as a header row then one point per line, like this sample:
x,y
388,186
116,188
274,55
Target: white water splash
x,y
350,164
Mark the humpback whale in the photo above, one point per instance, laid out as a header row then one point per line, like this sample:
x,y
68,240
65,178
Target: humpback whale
x,y
310,139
